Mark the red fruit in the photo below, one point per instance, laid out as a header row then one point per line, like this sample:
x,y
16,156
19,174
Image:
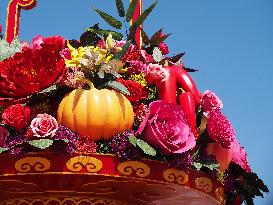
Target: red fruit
x,y
187,103
167,89
186,83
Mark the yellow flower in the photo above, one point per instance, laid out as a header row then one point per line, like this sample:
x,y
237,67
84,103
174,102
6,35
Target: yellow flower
x,y
76,56
140,78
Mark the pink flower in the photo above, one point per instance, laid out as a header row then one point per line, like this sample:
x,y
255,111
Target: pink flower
x,y
156,73
146,57
239,156
163,48
210,101
43,126
3,135
220,129
136,67
166,128
37,42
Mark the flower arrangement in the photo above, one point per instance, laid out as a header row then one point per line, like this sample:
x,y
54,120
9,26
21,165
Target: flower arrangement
x,y
104,93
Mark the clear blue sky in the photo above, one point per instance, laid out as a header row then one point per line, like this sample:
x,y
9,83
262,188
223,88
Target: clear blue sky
x,y
230,42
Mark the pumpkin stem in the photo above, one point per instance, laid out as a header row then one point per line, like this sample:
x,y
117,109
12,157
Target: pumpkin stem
x,y
87,81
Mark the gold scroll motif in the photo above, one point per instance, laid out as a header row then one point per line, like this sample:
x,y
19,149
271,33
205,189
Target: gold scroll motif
x,y
77,164
220,194
176,176
139,168
62,201
30,164
204,184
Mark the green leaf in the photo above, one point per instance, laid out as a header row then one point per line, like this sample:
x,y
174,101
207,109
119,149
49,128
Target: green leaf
x,y
146,148
158,40
212,166
177,57
3,149
109,19
7,50
157,55
197,165
116,35
141,19
120,7
133,140
41,144
120,54
131,10
118,86
145,37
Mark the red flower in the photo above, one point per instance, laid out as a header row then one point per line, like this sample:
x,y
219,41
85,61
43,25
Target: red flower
x,y
3,135
16,116
137,91
31,70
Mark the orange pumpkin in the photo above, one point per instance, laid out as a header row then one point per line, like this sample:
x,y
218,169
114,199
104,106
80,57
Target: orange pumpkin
x,y
96,113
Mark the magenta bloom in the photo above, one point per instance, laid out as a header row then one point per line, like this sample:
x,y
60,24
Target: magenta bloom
x,y
220,129
239,156
166,128
210,101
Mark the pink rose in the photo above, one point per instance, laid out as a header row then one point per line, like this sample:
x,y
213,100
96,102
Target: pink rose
x,y
43,126
3,135
166,128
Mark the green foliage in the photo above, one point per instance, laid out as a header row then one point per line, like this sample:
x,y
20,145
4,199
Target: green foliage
x,y
103,147
131,10
116,35
120,7
210,165
41,144
109,19
3,149
117,86
144,146
7,50
120,55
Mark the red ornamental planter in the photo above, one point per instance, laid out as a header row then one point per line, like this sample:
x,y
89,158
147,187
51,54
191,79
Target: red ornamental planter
x,y
85,179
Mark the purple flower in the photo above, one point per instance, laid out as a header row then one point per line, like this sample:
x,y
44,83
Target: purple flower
x,y
166,128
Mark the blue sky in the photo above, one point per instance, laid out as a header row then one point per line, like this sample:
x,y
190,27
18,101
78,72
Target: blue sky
x,y
230,42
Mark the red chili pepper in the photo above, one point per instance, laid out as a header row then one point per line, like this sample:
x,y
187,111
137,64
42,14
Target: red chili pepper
x,y
167,89
186,83
186,101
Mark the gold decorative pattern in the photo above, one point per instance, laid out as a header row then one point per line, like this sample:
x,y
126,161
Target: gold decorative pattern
x,y
204,183
139,168
77,164
220,194
29,164
62,201
176,176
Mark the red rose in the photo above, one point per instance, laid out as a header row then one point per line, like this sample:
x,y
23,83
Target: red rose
x,y
16,116
3,135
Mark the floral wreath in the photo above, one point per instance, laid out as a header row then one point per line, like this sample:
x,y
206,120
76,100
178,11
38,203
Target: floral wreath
x,y
104,93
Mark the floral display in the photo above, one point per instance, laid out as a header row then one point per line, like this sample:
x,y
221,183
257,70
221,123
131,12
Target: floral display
x,y
104,93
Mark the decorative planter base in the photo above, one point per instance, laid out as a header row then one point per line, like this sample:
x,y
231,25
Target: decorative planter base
x,y
95,179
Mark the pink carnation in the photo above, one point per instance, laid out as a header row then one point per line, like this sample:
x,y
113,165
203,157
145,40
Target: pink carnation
x,y
239,156
163,48
166,128
220,129
210,101
43,126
